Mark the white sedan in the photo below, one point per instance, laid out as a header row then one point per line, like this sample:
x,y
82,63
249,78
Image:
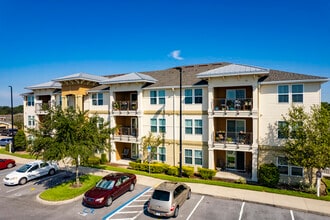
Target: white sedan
x,y
30,171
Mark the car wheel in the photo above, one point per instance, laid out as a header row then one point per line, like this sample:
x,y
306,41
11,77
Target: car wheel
x,y
51,172
131,187
176,212
189,194
109,201
22,181
10,165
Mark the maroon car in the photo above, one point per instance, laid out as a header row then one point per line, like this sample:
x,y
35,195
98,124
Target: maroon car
x,y
7,163
108,189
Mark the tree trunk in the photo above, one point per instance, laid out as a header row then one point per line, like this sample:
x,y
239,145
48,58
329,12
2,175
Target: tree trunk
x,y
77,175
310,176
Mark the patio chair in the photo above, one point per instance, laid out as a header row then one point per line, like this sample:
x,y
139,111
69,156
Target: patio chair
x,y
125,153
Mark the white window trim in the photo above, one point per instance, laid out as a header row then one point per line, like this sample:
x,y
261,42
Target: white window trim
x,y
193,162
193,96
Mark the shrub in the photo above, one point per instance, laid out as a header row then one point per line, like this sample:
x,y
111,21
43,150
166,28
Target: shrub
x,y
104,158
241,180
157,168
172,170
20,140
94,160
269,175
206,173
187,171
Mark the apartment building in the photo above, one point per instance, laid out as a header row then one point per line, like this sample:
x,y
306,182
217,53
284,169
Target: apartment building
x,y
230,113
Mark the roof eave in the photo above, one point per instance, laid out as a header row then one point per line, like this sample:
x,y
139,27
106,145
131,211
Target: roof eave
x,y
294,81
233,74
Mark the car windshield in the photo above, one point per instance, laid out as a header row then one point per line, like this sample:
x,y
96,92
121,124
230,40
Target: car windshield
x,y
161,195
105,184
24,168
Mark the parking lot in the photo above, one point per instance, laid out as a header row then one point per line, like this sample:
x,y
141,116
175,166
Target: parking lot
x,y
20,202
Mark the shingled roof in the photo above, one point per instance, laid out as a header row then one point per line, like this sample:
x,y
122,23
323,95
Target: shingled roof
x,y
283,76
171,77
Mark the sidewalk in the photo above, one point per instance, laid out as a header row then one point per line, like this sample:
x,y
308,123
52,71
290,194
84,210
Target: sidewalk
x,y
276,200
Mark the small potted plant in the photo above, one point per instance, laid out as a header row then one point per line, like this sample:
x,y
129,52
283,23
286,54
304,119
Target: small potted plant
x,y
115,105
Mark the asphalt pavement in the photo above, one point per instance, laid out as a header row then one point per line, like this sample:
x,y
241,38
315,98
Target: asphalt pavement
x,y
276,200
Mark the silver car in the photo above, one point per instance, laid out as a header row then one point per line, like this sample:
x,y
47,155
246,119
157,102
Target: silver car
x,y
168,198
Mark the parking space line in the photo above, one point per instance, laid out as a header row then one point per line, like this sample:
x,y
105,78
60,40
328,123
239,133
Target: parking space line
x,y
118,209
192,212
241,212
291,213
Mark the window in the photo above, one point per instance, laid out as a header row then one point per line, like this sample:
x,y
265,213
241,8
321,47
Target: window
x,y
157,95
161,97
162,154
283,94
281,130
153,123
234,127
188,126
153,97
188,96
31,120
193,96
188,156
297,93
97,99
233,94
162,125
198,126
198,96
198,157
193,157
288,169
30,100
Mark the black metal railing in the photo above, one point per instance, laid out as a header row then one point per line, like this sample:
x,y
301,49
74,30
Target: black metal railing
x,y
127,131
223,104
233,137
124,105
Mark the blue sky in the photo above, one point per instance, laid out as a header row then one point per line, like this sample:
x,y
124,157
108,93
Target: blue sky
x,y
46,39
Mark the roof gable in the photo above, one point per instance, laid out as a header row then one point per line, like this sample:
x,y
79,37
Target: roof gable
x,y
130,78
233,70
46,85
81,76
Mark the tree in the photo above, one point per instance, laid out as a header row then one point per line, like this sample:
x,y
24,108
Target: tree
x,y
20,140
153,142
308,142
70,133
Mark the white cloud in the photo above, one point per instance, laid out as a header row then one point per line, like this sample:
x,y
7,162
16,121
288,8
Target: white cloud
x,y
176,55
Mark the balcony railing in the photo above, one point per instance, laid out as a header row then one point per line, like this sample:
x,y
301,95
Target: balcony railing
x,y
42,108
223,104
124,105
233,137
128,131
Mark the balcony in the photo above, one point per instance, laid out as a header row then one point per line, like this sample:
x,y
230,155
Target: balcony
x,y
238,138
123,106
42,108
223,104
126,133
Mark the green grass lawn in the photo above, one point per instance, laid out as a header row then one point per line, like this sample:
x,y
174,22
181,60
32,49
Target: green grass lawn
x,y
17,154
66,190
